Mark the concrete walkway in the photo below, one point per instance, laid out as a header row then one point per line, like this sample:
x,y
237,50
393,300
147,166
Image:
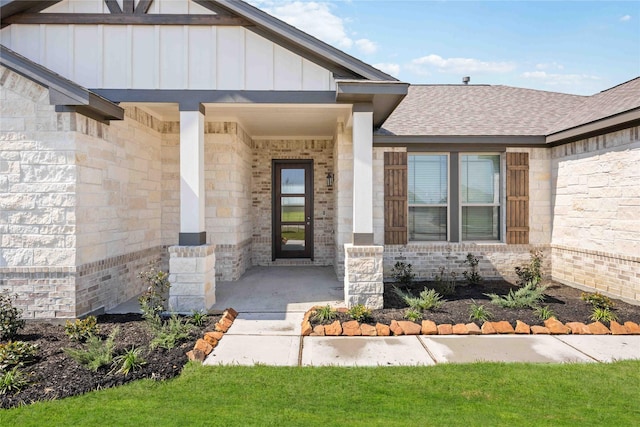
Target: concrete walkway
x,y
271,302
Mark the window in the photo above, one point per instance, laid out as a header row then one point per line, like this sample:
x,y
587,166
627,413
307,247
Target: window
x,y
454,197
480,197
428,197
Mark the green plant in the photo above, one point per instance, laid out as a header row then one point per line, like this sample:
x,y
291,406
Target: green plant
x,y
479,312
12,381
544,313
96,352
170,333
402,273
130,361
597,300
324,314
81,330
603,315
153,299
529,296
198,317
16,354
413,314
10,318
446,281
531,273
428,299
472,277
360,313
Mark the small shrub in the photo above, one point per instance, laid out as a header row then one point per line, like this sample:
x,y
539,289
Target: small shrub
x,y
96,352
325,314
402,273
130,361
81,330
16,354
413,314
529,296
198,318
12,381
10,318
544,313
531,273
152,301
603,315
479,312
446,281
360,313
597,300
170,333
472,277
428,299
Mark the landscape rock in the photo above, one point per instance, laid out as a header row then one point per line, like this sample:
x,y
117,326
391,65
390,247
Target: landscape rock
x,y
556,327
488,329
306,329
460,329
473,329
196,355
319,330
540,330
368,330
223,324
351,328
410,328
522,328
617,329
203,346
503,327
382,330
632,327
578,328
445,329
333,329
429,327
215,334
213,342
230,314
597,328
395,328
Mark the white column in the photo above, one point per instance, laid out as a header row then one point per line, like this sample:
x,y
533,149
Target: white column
x,y
363,174
192,194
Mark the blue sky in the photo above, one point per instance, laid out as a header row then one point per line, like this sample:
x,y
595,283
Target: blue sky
x,y
565,46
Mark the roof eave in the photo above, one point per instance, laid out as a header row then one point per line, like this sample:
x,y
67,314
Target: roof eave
x,y
385,96
460,140
596,127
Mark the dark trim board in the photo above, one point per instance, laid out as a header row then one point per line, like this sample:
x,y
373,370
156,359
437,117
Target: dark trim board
x,y
381,140
123,19
192,239
362,239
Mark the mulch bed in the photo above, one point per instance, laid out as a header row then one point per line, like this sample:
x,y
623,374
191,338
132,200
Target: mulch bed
x,y
563,300
55,375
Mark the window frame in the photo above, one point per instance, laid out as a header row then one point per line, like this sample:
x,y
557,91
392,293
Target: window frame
x,y
425,205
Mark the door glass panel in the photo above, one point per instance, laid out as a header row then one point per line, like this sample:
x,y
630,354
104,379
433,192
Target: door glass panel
x,y
292,209
292,181
293,237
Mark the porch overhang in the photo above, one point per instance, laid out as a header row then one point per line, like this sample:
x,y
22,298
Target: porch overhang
x,y
385,96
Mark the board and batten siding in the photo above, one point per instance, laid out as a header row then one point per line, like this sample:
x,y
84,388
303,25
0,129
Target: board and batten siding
x,y
165,57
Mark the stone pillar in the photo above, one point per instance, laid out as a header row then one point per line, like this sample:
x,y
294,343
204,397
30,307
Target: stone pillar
x,y
363,174
363,276
192,194
192,277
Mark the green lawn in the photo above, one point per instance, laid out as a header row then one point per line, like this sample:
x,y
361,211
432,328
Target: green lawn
x,y
444,395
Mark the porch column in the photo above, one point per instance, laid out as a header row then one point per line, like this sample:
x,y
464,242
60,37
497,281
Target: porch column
x,y
362,174
363,260
192,261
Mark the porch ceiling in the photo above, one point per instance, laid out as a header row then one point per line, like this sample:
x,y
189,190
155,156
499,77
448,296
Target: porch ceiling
x,y
266,120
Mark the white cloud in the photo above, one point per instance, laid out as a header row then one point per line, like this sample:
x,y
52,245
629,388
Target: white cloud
x,y
366,46
426,64
315,18
549,66
565,80
625,18
389,68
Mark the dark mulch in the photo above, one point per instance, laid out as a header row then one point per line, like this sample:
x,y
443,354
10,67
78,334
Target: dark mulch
x,y
564,301
56,375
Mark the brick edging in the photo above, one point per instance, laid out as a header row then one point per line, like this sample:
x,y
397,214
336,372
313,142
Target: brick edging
x,y
204,346
551,326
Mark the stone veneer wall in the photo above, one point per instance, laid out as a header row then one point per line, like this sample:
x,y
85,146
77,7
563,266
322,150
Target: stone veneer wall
x,y
596,213
321,151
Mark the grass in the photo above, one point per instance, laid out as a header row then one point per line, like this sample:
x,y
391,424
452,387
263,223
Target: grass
x,y
465,395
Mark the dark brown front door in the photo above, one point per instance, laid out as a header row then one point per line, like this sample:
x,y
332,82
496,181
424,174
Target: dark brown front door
x,y
292,209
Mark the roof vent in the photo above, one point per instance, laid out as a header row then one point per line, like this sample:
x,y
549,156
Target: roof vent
x,y
466,80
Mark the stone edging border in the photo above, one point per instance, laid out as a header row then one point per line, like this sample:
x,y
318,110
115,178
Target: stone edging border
x,y
204,346
551,326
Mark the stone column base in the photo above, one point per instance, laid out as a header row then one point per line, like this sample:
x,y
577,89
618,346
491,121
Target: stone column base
x,y
192,277
363,276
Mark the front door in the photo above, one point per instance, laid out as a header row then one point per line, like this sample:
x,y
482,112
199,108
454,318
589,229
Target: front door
x,y
292,209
